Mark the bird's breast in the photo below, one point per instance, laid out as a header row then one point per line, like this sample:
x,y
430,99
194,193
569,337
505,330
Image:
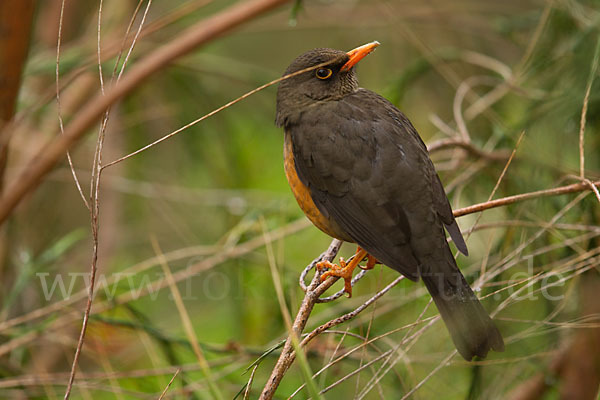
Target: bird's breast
x,y
302,194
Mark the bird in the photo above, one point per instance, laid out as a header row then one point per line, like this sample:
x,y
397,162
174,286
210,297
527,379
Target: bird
x,y
362,174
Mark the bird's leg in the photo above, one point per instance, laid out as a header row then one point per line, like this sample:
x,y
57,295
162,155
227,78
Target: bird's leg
x,y
345,270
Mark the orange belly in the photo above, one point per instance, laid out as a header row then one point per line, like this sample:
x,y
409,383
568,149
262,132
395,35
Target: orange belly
x,y
305,201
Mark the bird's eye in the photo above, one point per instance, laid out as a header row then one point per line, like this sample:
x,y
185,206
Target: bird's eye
x,y
323,73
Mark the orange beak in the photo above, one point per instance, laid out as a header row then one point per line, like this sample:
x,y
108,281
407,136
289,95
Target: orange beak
x,y
358,54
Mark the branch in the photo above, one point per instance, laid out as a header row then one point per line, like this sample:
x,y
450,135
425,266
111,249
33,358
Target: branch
x,y
313,292
205,31
574,188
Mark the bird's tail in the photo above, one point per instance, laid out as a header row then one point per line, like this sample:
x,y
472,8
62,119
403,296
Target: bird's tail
x,y
473,331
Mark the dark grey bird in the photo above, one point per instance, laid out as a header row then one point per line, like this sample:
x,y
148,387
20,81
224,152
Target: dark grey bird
x,y
362,174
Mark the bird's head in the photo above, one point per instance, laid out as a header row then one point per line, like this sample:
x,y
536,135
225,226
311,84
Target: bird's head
x,y
328,75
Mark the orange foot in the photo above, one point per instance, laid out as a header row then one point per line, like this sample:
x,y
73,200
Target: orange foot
x,y
345,270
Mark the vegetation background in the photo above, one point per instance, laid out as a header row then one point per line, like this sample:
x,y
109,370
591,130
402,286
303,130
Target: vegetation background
x,y
211,206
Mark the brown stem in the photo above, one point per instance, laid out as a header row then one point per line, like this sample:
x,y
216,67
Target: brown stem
x,y
313,292
199,34
574,188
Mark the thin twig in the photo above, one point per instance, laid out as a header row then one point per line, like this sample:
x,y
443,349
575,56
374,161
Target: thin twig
x,y
385,368
58,104
463,89
574,188
249,384
590,185
94,210
367,342
162,395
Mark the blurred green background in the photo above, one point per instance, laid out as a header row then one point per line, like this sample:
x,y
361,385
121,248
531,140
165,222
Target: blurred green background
x,y
495,68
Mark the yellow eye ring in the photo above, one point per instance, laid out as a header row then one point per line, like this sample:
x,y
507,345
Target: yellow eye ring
x,y
323,73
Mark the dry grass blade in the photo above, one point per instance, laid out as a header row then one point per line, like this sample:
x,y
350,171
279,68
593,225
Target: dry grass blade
x,y
584,108
187,324
367,342
514,256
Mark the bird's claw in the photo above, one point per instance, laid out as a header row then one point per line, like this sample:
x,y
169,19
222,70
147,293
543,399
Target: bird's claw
x,y
341,271
371,261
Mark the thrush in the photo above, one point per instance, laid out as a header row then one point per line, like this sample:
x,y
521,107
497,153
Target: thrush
x,y
362,174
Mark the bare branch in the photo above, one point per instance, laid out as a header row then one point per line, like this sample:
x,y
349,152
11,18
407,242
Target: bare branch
x,y
574,188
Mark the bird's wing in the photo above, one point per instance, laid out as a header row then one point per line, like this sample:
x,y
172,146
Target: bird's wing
x,y
370,171
444,210
440,200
